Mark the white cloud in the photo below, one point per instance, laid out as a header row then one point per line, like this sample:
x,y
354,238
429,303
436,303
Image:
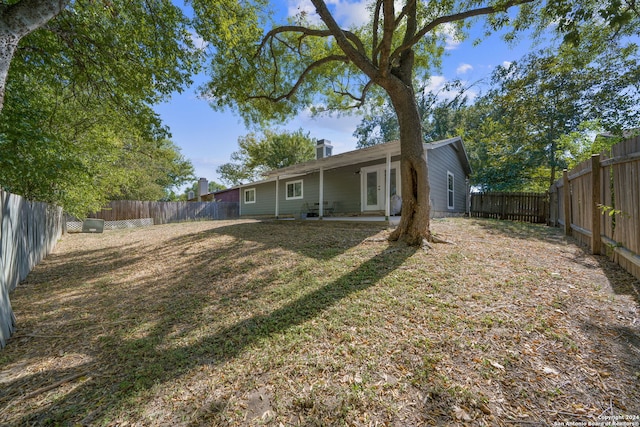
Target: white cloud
x,y
347,13
198,41
304,7
506,64
451,36
436,84
336,128
350,13
464,68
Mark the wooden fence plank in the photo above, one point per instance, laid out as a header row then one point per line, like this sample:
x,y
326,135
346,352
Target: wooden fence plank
x,y
527,207
604,197
166,212
28,232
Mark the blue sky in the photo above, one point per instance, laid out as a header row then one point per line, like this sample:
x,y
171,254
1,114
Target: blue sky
x,y
208,138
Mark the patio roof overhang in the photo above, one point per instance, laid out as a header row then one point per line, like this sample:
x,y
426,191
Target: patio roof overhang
x,y
362,155
375,152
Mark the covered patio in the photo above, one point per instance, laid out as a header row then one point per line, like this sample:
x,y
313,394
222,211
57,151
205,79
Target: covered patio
x,y
380,178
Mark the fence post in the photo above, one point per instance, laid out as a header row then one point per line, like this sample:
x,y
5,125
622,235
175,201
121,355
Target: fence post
x,y
567,202
596,240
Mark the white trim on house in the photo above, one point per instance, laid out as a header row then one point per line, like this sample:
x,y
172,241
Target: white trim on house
x,y
383,191
451,188
294,194
387,185
246,192
277,196
321,194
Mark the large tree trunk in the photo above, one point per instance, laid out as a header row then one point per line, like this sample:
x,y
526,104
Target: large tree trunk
x,y
16,21
414,223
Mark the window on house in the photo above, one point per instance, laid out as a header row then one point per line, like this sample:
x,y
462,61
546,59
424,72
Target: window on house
x,y
250,195
294,190
450,190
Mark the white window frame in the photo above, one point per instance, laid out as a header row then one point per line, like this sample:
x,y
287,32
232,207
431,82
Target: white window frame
x,y
451,195
247,191
294,197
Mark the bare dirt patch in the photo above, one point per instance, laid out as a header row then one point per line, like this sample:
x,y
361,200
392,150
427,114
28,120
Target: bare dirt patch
x,y
322,323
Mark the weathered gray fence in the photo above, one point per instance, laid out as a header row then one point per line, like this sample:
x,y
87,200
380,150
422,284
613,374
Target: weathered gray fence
x,y
166,212
28,232
526,207
598,202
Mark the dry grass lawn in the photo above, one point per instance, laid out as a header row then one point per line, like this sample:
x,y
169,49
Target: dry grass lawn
x,y
296,323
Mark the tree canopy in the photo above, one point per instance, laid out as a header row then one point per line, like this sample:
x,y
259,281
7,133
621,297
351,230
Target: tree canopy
x,y
441,114
88,77
539,115
77,126
541,111
266,71
259,154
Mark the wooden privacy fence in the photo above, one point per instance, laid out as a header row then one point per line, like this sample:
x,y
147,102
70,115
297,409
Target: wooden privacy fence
x,y
28,232
527,207
166,212
598,202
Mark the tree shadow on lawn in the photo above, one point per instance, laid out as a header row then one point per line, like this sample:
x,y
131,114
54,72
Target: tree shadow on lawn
x,y
119,365
81,266
520,230
624,283
317,239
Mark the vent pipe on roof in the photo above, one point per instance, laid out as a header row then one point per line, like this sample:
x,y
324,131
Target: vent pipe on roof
x,y
323,148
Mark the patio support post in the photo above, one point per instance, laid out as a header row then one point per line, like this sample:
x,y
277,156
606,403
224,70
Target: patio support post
x,y
387,186
321,205
277,196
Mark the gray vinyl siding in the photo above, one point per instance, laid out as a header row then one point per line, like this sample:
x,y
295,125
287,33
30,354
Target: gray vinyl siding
x,y
310,187
440,161
342,189
266,196
265,200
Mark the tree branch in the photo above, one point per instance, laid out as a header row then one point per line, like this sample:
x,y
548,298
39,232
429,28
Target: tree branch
x,y
389,26
311,67
25,16
454,18
403,12
359,58
361,98
310,32
374,37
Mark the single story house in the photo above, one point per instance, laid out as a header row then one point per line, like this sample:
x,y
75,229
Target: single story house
x,y
361,182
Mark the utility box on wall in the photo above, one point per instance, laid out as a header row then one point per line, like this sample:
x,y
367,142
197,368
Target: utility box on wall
x,y
93,225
